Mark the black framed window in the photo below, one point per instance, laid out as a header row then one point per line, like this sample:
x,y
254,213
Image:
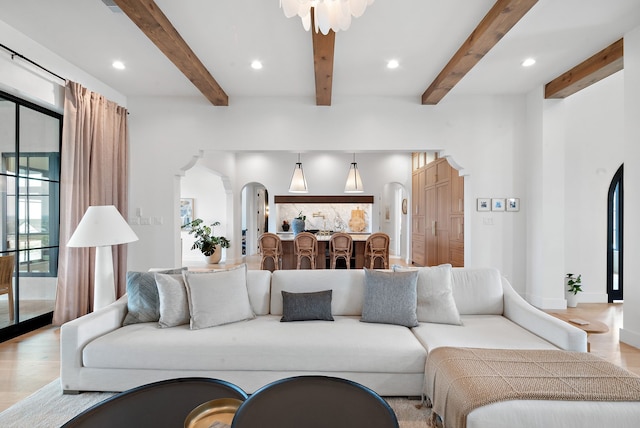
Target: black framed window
x,y
30,141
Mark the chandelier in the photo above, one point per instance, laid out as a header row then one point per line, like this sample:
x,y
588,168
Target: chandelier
x,y
327,14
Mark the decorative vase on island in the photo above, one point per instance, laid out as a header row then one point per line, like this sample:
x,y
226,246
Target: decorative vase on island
x,y
297,225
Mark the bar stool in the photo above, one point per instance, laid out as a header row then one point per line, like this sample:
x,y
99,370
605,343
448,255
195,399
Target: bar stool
x,y
340,247
270,247
377,247
305,245
6,280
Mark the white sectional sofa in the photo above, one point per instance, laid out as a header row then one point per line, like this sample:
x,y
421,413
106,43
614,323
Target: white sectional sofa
x,y
98,353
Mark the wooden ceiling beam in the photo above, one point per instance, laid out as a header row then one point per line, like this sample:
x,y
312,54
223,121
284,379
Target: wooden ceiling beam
x,y
323,50
157,27
497,22
603,64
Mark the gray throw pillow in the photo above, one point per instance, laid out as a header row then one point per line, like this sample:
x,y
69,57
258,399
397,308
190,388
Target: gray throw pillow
x,y
143,302
174,305
390,297
218,297
435,294
306,306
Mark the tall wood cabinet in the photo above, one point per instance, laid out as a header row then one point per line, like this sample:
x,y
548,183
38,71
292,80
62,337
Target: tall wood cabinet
x,y
437,214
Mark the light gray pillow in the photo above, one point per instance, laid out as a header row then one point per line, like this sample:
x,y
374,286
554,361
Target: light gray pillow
x,y
174,305
143,302
306,306
218,297
390,297
435,294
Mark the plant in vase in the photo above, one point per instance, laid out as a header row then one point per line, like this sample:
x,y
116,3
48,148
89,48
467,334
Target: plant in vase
x,y
206,241
574,283
298,223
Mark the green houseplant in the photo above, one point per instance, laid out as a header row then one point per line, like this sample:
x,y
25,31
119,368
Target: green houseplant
x,y
574,287
206,241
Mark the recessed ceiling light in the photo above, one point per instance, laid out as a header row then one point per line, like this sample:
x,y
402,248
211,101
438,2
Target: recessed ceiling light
x,y
528,62
256,65
119,65
393,64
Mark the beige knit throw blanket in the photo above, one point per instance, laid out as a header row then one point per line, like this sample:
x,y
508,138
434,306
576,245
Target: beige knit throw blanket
x,y
459,380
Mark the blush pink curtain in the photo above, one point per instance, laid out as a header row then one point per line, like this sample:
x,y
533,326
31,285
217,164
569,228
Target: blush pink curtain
x,y
94,171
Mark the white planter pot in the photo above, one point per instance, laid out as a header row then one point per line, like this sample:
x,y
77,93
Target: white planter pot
x,y
572,300
214,258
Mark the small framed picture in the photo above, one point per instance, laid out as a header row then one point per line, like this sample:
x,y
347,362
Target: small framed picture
x,y
513,204
186,210
483,204
497,204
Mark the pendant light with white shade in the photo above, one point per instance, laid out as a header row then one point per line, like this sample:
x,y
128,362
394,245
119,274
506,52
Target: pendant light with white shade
x,y
354,181
298,181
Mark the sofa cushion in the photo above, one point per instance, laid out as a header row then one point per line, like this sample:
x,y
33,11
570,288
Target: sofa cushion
x,y
390,297
479,331
174,304
306,306
143,304
347,287
477,291
435,294
218,297
263,343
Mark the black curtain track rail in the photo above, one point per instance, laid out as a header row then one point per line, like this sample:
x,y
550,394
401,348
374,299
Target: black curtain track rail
x,y
14,54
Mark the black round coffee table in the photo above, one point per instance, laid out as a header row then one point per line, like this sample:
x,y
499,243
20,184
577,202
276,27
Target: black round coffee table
x,y
161,404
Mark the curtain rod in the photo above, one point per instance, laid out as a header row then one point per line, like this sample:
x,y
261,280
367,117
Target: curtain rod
x,y
14,54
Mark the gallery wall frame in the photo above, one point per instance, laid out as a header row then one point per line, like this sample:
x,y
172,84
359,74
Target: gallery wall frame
x,y
483,204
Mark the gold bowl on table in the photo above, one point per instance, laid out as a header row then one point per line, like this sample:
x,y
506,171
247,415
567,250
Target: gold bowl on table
x,y
220,410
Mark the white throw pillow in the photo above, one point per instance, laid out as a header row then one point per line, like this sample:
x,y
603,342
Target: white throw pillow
x,y
218,297
174,304
435,295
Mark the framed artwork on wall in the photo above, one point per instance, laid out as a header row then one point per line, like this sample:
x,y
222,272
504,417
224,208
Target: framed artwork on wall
x,y
186,210
513,204
483,204
497,204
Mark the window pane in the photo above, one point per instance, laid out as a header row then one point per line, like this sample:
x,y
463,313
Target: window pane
x,y
38,132
8,133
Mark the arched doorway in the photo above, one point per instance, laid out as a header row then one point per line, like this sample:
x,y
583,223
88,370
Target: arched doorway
x,y
615,224
255,216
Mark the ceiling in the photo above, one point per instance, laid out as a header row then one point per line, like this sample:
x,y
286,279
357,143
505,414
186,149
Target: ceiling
x,y
226,35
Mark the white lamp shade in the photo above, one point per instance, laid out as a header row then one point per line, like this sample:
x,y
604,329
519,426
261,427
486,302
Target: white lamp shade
x,y
102,225
354,181
298,181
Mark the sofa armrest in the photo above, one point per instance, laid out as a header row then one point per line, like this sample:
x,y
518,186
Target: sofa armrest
x,y
559,333
75,334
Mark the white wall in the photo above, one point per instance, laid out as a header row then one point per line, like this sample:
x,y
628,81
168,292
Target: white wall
x,y
484,135
594,150
24,80
631,331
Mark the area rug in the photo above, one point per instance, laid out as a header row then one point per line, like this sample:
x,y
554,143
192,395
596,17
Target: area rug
x,y
48,407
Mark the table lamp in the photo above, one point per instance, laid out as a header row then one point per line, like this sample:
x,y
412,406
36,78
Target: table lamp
x,y
102,226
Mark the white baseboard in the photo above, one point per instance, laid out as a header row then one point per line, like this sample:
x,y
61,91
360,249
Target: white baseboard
x,y
630,337
546,303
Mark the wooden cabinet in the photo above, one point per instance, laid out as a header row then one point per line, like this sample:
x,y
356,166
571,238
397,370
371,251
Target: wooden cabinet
x,y
438,217
418,217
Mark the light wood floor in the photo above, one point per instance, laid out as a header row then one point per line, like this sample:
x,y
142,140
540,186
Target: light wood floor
x,y
31,361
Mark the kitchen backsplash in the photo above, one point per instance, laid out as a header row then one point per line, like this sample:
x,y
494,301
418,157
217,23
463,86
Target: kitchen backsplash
x,y
352,218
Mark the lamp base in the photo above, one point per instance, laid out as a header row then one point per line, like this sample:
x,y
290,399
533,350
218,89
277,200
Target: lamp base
x,y
104,292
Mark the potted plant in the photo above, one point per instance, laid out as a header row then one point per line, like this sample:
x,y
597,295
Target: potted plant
x,y
574,284
298,223
206,241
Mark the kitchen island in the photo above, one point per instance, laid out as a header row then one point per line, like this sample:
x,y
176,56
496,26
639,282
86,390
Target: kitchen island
x,y
289,260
